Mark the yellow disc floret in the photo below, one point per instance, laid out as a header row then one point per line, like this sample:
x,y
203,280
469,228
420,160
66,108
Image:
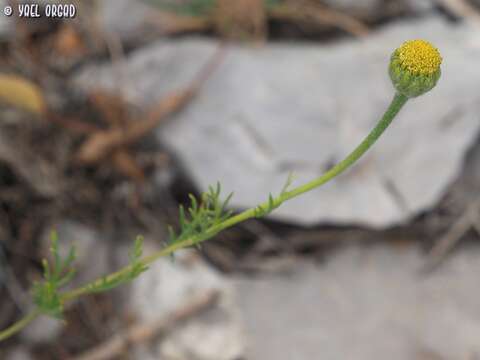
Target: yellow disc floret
x,y
419,57
415,68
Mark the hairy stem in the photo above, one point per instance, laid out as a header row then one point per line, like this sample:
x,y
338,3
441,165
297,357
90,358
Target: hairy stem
x,y
397,103
395,106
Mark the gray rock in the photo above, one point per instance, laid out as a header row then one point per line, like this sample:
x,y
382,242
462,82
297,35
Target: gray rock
x,y
297,107
125,19
41,330
366,303
216,334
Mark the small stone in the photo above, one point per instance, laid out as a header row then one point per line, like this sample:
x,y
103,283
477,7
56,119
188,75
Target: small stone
x,y
41,330
216,334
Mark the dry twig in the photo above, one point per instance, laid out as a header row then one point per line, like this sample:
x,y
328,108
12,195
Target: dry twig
x,y
145,332
245,19
462,8
306,11
169,23
248,19
102,143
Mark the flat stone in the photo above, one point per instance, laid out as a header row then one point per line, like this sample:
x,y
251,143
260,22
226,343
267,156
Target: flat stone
x,y
366,303
299,108
216,334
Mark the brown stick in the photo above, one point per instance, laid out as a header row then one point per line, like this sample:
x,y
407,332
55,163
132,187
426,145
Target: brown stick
x,y
169,23
319,14
144,332
102,143
463,9
74,125
240,19
125,163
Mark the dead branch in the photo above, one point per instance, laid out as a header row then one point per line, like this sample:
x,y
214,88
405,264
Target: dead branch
x,y
305,11
169,23
74,125
241,20
143,333
462,8
102,143
126,164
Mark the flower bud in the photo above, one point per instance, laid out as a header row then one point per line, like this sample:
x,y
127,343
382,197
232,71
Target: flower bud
x,y
415,68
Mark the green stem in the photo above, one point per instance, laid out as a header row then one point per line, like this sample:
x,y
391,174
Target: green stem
x,y
19,325
397,103
395,106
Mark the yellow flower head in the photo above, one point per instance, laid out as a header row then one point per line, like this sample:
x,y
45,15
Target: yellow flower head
x,y
415,67
419,57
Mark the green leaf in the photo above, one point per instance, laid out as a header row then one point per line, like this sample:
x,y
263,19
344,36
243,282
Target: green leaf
x,y
46,294
203,214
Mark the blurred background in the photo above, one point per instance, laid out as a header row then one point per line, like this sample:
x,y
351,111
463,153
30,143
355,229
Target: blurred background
x,y
110,119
